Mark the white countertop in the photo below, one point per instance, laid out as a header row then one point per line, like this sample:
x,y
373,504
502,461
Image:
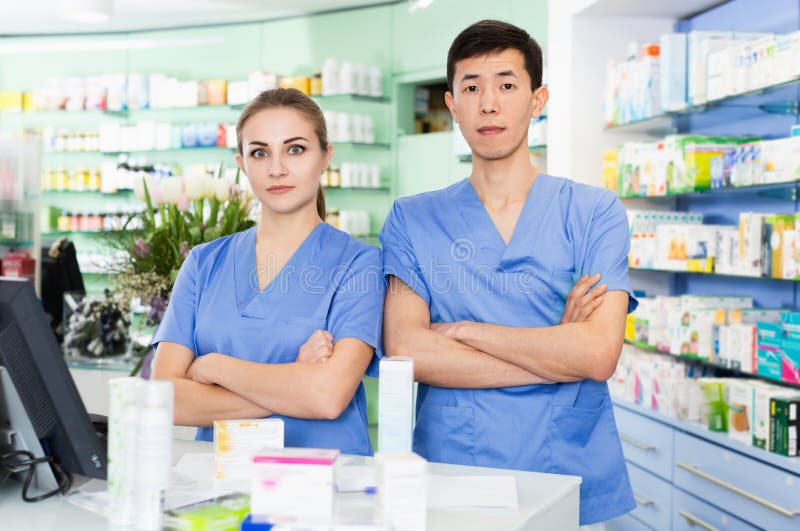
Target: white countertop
x,y
545,501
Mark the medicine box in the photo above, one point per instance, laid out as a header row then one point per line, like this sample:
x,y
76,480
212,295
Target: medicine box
x,y
784,424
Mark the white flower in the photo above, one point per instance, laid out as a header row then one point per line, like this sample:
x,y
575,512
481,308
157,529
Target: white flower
x,y
138,186
171,189
223,189
196,186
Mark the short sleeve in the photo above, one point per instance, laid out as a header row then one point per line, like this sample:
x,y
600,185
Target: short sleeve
x,y
399,258
178,323
608,246
356,309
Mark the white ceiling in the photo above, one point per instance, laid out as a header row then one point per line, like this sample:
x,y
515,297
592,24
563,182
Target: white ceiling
x,y
673,9
26,17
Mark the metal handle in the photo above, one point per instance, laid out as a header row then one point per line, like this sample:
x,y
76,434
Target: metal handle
x,y
642,501
789,513
693,520
633,442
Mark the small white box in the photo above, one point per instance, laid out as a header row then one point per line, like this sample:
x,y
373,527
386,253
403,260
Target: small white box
x,y
396,404
293,482
402,497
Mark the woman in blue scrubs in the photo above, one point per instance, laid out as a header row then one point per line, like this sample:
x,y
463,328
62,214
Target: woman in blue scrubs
x,y
283,319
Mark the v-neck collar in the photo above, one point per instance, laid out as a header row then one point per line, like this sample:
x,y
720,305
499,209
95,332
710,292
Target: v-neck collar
x,y
483,229
246,271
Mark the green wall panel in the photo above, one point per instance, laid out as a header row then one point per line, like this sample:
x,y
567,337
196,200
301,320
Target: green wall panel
x,y
227,52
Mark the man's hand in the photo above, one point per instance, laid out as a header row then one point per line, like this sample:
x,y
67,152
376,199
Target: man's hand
x,y
581,302
317,349
201,368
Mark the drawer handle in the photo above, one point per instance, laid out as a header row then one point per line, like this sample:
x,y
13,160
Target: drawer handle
x,y
642,501
637,444
741,492
693,520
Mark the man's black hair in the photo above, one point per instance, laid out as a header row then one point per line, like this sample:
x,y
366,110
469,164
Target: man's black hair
x,y
491,37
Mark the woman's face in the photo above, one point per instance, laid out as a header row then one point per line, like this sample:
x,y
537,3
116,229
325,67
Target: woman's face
x,y
282,159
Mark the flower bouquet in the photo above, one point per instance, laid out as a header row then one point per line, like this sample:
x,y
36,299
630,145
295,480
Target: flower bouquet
x,y
180,212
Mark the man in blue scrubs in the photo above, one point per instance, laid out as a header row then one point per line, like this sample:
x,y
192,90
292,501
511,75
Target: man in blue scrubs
x,y
479,274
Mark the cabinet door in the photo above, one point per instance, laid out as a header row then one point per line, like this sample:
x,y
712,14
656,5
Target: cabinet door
x,y
653,497
645,442
627,522
747,488
693,514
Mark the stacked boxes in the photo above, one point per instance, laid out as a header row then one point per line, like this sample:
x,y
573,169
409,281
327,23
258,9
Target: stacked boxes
x,y
402,490
293,483
235,444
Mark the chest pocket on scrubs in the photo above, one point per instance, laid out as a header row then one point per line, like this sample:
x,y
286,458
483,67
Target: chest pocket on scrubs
x,y
445,434
293,333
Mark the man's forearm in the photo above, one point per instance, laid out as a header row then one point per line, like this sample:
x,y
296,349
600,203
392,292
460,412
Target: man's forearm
x,y
198,404
444,362
563,353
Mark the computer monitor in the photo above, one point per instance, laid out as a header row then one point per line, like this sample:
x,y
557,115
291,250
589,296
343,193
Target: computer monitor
x,y
30,354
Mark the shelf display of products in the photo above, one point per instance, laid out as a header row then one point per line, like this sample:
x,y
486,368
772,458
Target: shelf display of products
x,y
725,331
743,408
121,92
761,246
687,70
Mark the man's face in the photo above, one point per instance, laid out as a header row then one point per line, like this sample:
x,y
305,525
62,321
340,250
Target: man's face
x,y
493,103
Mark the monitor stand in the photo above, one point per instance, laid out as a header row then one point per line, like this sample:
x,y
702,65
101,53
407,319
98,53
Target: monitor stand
x,y
17,433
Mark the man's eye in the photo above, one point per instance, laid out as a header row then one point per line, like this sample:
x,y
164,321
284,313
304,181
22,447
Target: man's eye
x,y
508,86
471,88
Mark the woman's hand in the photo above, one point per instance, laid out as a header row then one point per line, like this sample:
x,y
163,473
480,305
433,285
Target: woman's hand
x,y
202,368
317,349
581,302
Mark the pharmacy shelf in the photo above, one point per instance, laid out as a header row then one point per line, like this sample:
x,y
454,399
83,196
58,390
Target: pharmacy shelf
x,y
771,99
358,188
707,363
704,273
786,190
334,97
60,233
66,112
170,150
789,464
15,243
379,145
93,193
113,363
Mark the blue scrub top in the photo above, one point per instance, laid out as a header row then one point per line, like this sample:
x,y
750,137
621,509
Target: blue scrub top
x,y
332,282
445,246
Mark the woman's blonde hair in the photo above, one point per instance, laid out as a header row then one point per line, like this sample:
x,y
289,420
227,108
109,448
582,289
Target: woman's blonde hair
x,y
291,99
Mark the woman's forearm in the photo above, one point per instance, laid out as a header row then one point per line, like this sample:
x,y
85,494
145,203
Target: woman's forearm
x,y
198,404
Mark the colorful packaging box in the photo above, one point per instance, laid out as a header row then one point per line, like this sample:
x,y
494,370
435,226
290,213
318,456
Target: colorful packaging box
x,y
769,351
714,409
741,396
762,394
784,424
293,482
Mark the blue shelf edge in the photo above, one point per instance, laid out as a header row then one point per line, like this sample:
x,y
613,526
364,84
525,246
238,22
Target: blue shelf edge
x,y
789,464
710,274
